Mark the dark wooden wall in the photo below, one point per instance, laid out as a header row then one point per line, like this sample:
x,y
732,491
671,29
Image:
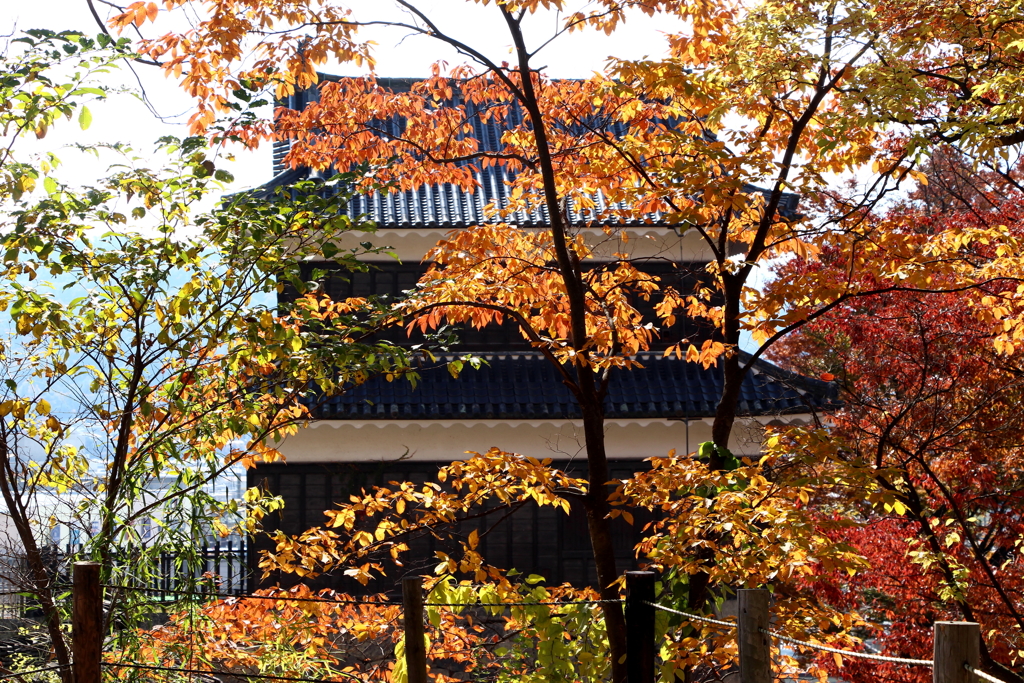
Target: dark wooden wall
x,y
532,540
390,279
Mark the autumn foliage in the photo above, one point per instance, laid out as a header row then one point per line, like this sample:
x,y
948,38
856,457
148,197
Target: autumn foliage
x,y
925,456
758,531
543,634
834,102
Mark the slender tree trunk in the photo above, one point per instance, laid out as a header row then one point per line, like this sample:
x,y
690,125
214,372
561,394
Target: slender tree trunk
x,y
39,574
725,419
588,396
732,371
599,521
725,412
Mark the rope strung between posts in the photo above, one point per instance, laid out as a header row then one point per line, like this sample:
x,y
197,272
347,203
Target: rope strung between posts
x,y
816,646
794,641
849,653
211,672
982,674
33,671
692,617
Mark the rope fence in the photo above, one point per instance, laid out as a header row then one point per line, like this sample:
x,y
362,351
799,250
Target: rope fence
x,y
692,617
335,601
956,644
850,653
251,596
802,643
552,603
981,674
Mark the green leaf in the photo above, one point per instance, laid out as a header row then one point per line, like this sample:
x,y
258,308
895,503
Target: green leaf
x,y
89,91
706,450
84,118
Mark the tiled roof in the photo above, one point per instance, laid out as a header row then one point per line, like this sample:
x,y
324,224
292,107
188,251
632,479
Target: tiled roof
x,y
526,386
448,206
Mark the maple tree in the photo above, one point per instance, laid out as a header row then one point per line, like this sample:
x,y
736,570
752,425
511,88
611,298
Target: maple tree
x,y
143,360
925,458
821,89
925,455
956,186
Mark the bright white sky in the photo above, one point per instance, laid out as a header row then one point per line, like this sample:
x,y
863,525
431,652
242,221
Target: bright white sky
x,y
129,120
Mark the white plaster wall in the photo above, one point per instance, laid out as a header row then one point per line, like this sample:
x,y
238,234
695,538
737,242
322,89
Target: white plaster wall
x,y
447,440
410,244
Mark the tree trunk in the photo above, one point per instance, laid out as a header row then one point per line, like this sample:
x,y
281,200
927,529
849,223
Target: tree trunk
x,y
732,371
588,395
599,521
725,419
725,413
40,578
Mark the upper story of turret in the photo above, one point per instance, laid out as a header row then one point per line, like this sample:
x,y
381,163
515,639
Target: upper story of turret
x,y
413,221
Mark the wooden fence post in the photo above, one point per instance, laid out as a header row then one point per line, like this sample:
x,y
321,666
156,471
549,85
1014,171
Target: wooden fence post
x,y
86,622
956,643
412,619
755,644
640,627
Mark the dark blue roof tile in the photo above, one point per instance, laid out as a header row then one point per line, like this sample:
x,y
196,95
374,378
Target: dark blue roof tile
x,y
526,386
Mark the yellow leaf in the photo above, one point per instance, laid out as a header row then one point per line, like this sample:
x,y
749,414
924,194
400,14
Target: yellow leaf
x,y
43,407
